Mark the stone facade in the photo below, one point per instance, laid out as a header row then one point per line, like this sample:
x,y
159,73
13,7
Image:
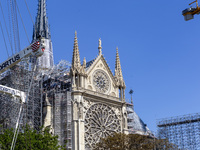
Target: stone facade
x,y
98,100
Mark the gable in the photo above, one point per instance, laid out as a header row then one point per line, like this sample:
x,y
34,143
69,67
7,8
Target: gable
x,y
99,75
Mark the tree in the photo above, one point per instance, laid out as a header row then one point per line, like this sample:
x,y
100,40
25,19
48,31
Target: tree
x,y
29,139
120,141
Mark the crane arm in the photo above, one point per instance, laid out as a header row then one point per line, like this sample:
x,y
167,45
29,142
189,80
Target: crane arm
x,y
37,49
194,2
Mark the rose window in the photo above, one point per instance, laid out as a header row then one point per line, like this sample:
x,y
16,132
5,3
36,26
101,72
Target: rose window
x,y
100,121
101,81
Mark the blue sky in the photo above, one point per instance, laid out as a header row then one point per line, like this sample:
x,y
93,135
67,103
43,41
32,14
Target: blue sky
x,y
159,51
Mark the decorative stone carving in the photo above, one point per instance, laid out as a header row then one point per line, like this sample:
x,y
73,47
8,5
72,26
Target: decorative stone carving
x,y
117,111
100,121
113,94
89,87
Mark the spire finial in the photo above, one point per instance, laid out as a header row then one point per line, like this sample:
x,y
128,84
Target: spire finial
x,y
100,48
75,39
131,93
76,56
75,34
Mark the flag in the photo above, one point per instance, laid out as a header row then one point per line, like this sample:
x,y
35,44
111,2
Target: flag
x,y
35,46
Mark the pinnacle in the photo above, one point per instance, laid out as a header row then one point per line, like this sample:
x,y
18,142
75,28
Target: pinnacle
x,y
76,56
75,34
75,40
118,70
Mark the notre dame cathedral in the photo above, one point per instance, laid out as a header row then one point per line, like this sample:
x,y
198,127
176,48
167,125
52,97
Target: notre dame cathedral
x,y
80,103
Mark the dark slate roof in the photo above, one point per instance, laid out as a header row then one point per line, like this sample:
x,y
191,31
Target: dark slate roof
x,y
88,64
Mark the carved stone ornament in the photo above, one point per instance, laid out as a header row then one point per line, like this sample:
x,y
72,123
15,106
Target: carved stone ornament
x,y
100,121
101,81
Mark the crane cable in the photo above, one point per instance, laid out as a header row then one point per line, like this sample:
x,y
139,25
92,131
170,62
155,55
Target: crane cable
x,y
17,26
6,26
4,39
34,26
23,24
13,23
10,28
29,12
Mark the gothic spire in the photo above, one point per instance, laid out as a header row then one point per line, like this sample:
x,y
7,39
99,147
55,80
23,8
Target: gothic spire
x,y
76,63
118,70
41,27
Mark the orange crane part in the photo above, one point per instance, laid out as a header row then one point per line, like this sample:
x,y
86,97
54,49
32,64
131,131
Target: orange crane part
x,y
189,13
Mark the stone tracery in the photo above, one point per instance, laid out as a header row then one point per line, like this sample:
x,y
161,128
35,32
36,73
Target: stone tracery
x,y
100,121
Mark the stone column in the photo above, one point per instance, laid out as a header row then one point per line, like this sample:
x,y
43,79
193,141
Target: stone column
x,y
78,140
81,81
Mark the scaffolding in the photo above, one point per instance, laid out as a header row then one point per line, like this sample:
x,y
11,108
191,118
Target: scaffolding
x,y
62,118
135,124
55,83
9,110
9,105
183,131
44,83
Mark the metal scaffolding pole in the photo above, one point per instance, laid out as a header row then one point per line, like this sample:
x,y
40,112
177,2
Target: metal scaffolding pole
x,y
183,131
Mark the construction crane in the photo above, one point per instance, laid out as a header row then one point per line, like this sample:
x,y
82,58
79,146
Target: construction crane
x,y
189,13
35,49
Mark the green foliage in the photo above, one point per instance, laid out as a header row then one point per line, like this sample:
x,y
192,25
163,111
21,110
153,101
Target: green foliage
x,y
120,141
6,139
29,139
